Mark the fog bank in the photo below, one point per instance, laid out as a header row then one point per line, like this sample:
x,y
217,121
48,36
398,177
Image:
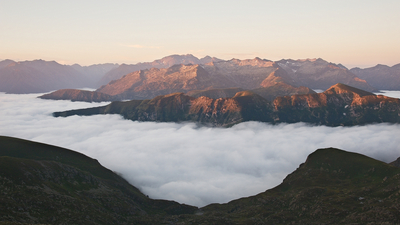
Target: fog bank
x,y
185,162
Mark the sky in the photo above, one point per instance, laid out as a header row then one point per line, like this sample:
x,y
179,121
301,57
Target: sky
x,y
184,162
359,33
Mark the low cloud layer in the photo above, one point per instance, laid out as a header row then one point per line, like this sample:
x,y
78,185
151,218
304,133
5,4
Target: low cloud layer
x,y
184,162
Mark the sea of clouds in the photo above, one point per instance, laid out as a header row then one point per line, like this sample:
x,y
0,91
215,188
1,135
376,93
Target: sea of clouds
x,y
185,162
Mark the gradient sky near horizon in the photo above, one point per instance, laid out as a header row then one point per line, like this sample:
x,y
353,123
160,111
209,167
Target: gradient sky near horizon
x,y
359,33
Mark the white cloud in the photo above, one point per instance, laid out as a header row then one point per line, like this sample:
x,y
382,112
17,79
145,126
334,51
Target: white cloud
x,y
185,162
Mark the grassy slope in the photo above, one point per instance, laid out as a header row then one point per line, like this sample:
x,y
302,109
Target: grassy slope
x,y
46,184
331,187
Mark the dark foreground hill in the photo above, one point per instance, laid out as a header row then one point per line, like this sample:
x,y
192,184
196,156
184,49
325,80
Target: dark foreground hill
x,y
43,184
332,187
339,105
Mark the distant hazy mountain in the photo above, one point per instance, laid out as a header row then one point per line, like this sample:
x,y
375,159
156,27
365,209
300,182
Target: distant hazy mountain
x,y
94,73
165,62
380,76
320,74
40,76
339,105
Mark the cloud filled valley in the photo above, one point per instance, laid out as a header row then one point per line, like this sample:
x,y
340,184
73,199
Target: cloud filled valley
x,y
186,162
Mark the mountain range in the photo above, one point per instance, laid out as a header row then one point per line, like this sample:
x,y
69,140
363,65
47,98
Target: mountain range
x,y
340,105
44,184
40,76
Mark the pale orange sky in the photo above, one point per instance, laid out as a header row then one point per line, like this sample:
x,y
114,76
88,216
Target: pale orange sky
x,y
353,32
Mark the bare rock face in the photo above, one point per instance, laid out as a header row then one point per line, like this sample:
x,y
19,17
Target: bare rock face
x,y
145,84
244,74
396,163
320,74
380,76
165,62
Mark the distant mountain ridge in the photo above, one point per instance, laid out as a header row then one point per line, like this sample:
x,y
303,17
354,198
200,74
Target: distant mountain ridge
x,y
339,105
380,76
43,76
40,76
256,75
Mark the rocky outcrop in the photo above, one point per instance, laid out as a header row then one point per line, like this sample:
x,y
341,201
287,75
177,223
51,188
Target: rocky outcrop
x,y
396,163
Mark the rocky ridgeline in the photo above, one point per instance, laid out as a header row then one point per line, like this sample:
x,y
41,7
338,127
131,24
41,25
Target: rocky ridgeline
x,y
339,105
264,77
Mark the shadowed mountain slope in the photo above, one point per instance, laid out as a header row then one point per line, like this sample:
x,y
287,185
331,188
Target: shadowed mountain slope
x,y
43,184
339,105
50,185
332,187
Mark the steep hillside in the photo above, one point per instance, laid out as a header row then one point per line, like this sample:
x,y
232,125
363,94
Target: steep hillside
x,y
43,184
332,187
380,76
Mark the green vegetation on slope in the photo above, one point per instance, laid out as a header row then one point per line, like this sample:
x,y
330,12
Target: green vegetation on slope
x,y
44,184
41,183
